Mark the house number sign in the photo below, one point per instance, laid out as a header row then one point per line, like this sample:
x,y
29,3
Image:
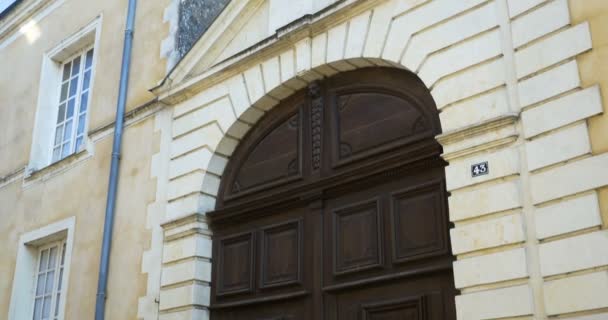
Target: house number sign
x,y
479,169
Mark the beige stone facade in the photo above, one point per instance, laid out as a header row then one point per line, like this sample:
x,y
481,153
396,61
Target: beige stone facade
x,y
520,84
76,186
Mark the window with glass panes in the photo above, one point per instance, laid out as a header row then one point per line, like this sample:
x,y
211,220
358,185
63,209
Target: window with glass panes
x,y
73,105
49,277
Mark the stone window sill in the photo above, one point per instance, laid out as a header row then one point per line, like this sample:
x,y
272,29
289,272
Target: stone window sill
x,y
57,167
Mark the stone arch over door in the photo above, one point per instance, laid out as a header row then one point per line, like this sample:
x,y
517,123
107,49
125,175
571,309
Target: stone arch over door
x,y
498,128
334,207
482,70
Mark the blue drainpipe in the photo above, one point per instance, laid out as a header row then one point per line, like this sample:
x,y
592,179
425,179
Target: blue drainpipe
x,y
106,245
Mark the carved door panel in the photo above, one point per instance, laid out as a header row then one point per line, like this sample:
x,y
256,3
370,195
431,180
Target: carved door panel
x,y
418,298
262,268
334,207
387,252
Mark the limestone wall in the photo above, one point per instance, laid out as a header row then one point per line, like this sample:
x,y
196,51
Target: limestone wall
x,y
509,78
79,191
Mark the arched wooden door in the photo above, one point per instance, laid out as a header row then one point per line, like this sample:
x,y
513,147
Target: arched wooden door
x,y
334,207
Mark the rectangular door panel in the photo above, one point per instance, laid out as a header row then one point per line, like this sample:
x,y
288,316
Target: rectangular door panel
x,y
236,256
294,309
263,262
408,308
357,237
386,230
419,298
281,254
418,222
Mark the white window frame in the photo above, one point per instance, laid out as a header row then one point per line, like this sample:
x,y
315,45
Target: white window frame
x,y
41,155
77,107
56,287
26,268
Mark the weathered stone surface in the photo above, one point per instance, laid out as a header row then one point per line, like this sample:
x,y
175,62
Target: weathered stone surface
x,y
568,216
517,7
503,162
558,146
495,267
487,199
601,316
487,234
463,51
192,294
549,84
578,293
195,16
475,110
193,269
560,112
497,303
551,50
446,34
540,22
188,247
571,178
189,314
572,254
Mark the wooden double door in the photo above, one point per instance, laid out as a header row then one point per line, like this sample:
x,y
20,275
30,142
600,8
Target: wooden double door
x,y
334,207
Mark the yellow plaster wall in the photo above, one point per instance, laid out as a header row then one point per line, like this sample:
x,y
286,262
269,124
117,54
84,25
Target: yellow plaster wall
x,y
21,63
80,192
593,68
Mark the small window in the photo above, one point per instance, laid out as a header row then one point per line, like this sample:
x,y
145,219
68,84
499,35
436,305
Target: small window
x,y
73,104
42,272
49,277
65,95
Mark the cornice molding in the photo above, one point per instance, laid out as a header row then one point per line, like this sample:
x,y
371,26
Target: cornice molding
x,y
173,89
195,223
481,136
463,133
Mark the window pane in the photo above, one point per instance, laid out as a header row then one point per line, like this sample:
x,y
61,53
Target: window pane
x,y
73,86
40,284
61,113
89,60
75,66
64,91
68,131
43,260
53,258
46,309
81,121
66,71
37,308
66,150
84,101
58,135
56,153
63,254
71,105
85,81
78,144
50,279
60,279
57,304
